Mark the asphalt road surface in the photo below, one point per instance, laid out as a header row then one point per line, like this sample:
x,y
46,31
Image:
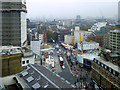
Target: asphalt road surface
x,y
67,74
57,64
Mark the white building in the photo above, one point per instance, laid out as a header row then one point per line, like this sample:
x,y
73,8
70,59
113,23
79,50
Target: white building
x,y
28,57
41,37
35,47
97,26
81,58
77,28
83,33
68,39
88,45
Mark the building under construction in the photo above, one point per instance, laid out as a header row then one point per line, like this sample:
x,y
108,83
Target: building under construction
x,y
13,22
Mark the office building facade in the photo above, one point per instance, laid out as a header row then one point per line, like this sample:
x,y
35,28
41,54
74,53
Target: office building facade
x,y
13,22
114,40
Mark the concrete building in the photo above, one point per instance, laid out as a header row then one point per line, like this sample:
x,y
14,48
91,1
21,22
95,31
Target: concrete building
x,y
84,35
35,47
41,37
106,41
68,39
77,28
78,17
11,58
67,23
78,20
13,23
105,74
88,46
114,40
97,26
27,57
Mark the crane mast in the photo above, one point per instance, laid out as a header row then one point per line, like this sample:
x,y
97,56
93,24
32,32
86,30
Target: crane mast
x,y
81,44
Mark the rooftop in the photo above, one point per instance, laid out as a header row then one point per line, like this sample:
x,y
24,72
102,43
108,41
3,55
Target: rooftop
x,y
6,50
89,56
117,30
8,47
37,76
109,64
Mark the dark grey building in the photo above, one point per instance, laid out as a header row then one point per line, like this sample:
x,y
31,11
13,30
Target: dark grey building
x,y
13,22
37,77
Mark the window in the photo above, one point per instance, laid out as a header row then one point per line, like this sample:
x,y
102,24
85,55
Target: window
x,y
27,61
114,72
110,70
102,65
119,75
23,62
99,63
105,67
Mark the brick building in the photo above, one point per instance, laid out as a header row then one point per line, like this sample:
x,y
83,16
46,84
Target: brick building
x,y
105,74
97,37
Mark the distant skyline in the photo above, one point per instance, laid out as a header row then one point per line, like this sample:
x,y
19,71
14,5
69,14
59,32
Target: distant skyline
x,y
50,9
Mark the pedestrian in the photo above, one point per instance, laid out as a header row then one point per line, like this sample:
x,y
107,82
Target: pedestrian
x,y
77,80
75,83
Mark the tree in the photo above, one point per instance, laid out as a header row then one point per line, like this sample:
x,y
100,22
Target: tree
x,y
51,36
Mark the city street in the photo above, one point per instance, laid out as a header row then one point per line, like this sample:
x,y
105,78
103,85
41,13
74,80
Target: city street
x,y
57,64
74,73
65,73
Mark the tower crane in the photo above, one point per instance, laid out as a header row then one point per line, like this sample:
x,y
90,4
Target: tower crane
x,y
81,44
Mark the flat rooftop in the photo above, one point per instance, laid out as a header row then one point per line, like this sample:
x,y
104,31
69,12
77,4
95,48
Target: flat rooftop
x,y
7,50
89,56
8,47
109,64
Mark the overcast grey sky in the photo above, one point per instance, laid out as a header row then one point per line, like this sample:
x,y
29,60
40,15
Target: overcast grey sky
x,y
71,8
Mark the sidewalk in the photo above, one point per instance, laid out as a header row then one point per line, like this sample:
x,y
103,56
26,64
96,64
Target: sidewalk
x,y
84,76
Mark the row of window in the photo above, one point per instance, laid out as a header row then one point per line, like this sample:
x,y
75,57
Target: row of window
x,y
114,33
107,68
27,61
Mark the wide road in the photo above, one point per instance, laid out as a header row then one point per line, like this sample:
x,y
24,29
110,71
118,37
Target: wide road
x,y
57,64
67,74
